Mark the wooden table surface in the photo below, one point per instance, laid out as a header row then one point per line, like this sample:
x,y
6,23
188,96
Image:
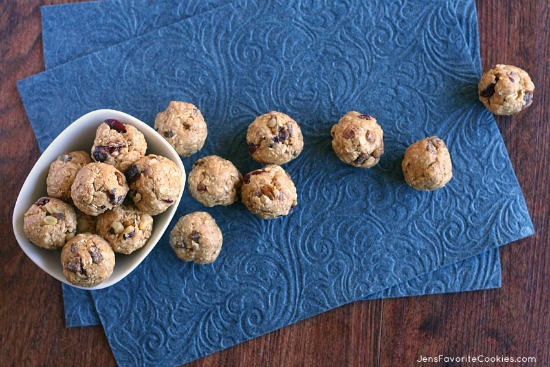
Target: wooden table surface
x,y
512,321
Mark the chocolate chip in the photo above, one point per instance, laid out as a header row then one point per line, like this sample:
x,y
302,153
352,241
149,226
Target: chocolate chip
x,y
169,201
42,201
100,154
133,174
252,148
195,236
74,265
291,209
111,230
95,254
365,117
59,216
349,133
201,187
511,76
116,125
65,157
489,91
113,199
362,158
74,248
168,134
431,146
131,234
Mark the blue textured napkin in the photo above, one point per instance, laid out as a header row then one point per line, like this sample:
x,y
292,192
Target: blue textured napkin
x,y
110,26
354,232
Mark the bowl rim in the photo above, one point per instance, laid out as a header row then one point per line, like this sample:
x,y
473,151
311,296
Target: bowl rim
x,y
43,164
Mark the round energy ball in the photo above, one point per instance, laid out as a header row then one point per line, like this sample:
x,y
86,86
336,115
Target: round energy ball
x,y
97,188
214,181
506,90
62,173
49,223
155,183
183,126
274,138
125,228
87,260
269,192
196,237
118,144
427,164
358,140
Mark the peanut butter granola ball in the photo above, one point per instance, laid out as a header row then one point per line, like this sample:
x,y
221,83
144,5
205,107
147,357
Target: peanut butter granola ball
x,y
197,238
49,223
62,173
269,192
183,126
97,188
155,183
87,260
214,181
274,138
427,164
118,144
358,140
506,90
125,228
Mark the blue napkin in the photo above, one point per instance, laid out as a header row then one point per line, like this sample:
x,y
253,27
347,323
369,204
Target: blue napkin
x,y
86,37
354,232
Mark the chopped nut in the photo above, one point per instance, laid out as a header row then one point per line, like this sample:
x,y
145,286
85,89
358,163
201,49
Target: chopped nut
x,y
50,220
117,227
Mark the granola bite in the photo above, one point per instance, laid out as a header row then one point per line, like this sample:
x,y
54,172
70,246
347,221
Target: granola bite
x,y
155,183
125,228
274,138
214,181
269,192
87,260
196,237
183,126
427,164
506,90
358,140
118,144
97,188
62,173
49,223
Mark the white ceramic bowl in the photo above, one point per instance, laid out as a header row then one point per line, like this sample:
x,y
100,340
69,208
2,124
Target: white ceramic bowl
x,y
80,136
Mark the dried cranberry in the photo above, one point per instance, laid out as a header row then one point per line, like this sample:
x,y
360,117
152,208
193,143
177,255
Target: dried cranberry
x,y
201,187
42,201
59,216
489,91
133,173
252,148
349,133
169,201
116,125
365,117
246,177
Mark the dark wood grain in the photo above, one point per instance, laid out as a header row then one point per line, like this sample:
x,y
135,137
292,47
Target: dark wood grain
x,y
511,321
